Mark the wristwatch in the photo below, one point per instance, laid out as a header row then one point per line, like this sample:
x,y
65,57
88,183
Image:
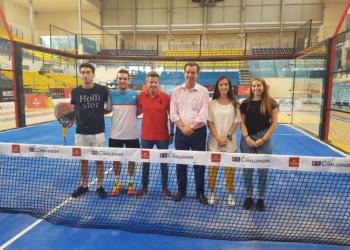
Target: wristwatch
x,y
229,136
191,126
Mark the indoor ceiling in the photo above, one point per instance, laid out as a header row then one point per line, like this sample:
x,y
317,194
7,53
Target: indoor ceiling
x,y
54,5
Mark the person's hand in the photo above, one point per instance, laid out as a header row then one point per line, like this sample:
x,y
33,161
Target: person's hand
x,y
70,124
259,142
251,142
222,142
186,130
171,139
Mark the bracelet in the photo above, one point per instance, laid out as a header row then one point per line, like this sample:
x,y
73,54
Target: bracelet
x,y
171,134
262,138
245,136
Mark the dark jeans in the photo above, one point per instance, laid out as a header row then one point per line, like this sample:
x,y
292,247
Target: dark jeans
x,y
195,142
161,144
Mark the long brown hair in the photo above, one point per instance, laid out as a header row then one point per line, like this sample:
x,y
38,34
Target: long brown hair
x,y
266,99
230,94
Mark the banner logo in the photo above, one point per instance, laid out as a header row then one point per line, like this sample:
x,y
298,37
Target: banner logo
x,y
294,162
236,159
94,152
163,155
76,151
316,163
16,149
145,154
215,157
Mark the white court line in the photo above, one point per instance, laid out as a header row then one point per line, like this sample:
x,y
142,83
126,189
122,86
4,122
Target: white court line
x,y
43,218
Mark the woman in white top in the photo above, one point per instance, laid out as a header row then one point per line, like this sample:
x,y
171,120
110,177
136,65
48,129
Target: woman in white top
x,y
223,118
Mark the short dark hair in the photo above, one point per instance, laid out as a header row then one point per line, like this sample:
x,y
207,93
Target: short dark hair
x,y
87,65
123,71
152,74
192,64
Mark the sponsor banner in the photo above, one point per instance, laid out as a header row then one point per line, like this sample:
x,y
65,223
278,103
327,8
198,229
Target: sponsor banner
x,y
279,68
6,94
6,107
180,157
59,42
35,101
282,162
264,68
67,92
243,90
89,46
286,104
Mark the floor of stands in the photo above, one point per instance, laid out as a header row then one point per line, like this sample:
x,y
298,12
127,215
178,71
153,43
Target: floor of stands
x,y
288,141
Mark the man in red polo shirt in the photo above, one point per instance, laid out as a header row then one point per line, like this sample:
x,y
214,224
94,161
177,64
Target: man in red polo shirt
x,y
155,105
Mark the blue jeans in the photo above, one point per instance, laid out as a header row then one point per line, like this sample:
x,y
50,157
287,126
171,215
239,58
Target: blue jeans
x,y
195,142
161,144
266,148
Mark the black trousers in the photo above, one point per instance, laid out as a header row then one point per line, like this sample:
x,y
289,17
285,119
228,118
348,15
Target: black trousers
x,y
195,142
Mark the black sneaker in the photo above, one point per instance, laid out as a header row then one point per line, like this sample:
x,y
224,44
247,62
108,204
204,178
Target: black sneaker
x,y
260,206
101,192
248,203
79,191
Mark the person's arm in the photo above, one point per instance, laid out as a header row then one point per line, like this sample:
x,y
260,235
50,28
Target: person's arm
x,y
174,116
245,134
70,124
108,109
272,128
171,134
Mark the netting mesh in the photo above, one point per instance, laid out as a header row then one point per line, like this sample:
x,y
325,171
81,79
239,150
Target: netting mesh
x,y
301,206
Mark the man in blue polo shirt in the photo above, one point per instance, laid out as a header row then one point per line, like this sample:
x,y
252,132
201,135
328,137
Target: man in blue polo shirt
x,y
124,132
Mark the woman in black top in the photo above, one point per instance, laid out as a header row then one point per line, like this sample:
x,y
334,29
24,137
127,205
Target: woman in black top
x,y
259,121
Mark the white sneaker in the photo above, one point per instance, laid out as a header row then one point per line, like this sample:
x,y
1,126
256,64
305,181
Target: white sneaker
x,y
231,201
211,199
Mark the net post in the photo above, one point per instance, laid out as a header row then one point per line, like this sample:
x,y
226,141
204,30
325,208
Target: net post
x,y
18,86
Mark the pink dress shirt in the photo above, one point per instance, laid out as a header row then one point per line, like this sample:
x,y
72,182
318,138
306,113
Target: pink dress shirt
x,y
189,105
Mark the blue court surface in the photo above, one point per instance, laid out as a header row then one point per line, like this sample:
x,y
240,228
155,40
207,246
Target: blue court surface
x,y
19,232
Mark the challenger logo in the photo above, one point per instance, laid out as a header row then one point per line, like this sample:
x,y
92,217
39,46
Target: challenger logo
x,y
236,159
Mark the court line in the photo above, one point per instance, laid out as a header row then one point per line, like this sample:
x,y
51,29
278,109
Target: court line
x,y
13,239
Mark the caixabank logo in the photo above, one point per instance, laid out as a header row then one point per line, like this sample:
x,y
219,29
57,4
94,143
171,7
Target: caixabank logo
x,y
76,151
16,149
215,157
145,155
294,162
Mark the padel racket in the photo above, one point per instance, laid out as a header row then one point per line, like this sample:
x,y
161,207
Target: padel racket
x,y
64,113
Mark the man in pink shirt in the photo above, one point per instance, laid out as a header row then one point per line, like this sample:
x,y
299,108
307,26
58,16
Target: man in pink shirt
x,y
189,111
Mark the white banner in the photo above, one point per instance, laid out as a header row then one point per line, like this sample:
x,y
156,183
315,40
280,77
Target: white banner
x,y
283,162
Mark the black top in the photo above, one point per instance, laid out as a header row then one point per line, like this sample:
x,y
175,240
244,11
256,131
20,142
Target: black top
x,y
90,109
255,121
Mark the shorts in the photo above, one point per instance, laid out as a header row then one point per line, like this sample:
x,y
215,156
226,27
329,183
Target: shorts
x,y
115,143
97,140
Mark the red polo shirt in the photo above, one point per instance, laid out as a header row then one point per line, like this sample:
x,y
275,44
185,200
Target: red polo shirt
x,y
155,116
